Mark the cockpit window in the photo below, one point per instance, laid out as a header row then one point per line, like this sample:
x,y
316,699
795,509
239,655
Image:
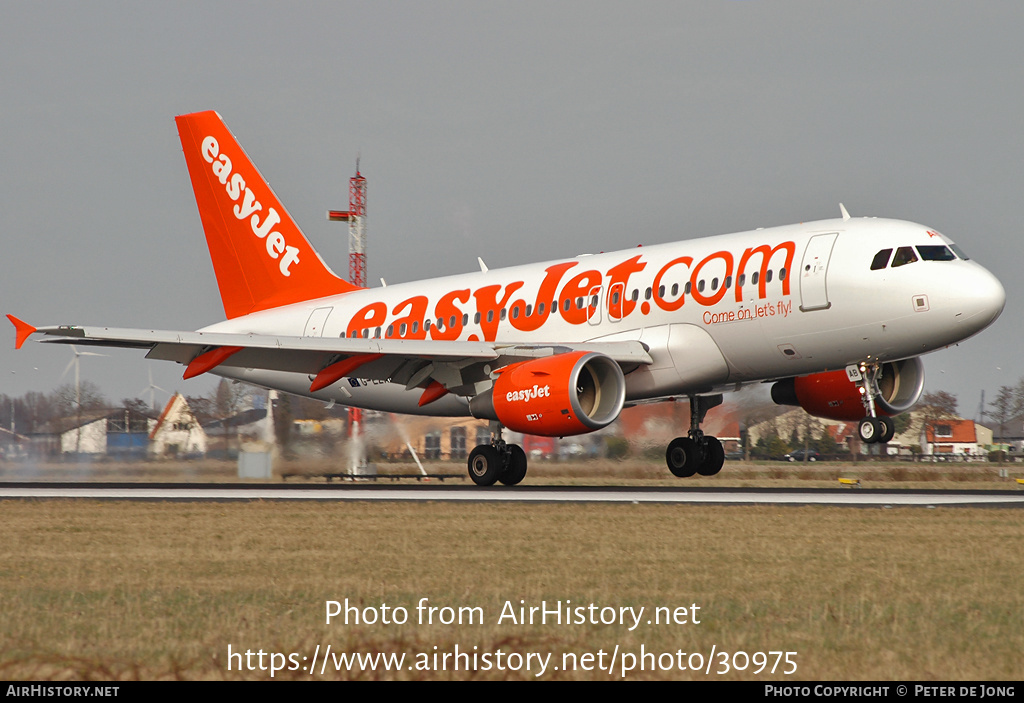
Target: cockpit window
x,y
904,255
881,259
935,252
958,251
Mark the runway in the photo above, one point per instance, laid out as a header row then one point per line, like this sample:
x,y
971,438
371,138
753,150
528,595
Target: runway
x,y
519,494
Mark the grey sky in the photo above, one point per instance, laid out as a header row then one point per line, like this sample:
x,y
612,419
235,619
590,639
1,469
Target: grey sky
x,y
513,131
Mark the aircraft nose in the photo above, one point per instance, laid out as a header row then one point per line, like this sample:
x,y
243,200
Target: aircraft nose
x,y
982,300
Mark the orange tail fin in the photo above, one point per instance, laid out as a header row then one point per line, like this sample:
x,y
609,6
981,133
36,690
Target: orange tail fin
x,y
260,256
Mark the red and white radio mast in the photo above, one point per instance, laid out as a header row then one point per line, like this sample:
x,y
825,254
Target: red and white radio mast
x,y
356,218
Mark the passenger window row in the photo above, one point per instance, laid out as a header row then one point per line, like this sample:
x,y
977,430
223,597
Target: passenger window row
x,y
715,283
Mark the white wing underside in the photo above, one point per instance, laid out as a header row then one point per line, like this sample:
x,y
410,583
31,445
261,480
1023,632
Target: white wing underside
x,y
454,364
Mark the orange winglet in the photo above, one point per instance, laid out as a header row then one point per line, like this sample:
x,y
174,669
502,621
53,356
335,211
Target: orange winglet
x,y
432,392
23,330
209,360
338,369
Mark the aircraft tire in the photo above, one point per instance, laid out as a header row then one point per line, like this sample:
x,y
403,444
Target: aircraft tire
x,y
517,464
888,429
682,457
869,429
714,457
485,465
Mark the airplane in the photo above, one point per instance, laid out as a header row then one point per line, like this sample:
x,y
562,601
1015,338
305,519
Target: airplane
x,y
835,313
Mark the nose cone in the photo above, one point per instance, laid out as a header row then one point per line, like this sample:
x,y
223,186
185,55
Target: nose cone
x,y
980,300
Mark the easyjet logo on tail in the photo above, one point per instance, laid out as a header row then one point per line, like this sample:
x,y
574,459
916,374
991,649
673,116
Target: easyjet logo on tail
x,y
235,187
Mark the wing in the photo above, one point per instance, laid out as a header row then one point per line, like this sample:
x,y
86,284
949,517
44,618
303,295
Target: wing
x,y
463,368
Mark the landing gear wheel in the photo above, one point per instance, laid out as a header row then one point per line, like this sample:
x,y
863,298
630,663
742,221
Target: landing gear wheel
x,y
485,465
516,469
869,429
682,457
888,429
714,457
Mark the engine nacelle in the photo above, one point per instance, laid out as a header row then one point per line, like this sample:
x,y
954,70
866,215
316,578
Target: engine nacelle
x,y
833,395
556,396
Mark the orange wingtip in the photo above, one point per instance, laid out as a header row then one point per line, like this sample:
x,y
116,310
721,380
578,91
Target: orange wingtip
x,y
23,330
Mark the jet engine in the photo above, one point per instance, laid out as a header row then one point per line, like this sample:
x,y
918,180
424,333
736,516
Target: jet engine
x,y
832,395
556,396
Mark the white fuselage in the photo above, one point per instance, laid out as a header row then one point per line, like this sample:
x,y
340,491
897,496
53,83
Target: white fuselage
x,y
715,313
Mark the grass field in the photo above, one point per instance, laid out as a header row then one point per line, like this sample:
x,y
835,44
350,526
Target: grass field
x,y
160,590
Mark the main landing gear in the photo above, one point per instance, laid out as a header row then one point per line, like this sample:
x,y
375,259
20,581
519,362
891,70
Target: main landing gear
x,y
874,428
696,453
497,461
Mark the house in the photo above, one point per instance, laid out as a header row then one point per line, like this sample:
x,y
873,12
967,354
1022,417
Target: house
x,y
13,446
796,423
119,432
1010,435
952,436
177,432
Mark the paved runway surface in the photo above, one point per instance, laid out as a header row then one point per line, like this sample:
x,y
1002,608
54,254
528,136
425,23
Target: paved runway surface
x,y
531,494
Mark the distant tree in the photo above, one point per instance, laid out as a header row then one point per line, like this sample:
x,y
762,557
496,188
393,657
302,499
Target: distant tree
x,y
7,411
901,422
826,445
776,447
1018,399
33,410
1001,409
70,401
770,446
753,409
136,405
227,398
1002,412
941,402
202,407
809,427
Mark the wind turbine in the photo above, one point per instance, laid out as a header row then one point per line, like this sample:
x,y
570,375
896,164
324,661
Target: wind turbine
x,y
78,394
152,388
74,362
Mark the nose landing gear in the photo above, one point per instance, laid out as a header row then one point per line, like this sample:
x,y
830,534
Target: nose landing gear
x,y
874,428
